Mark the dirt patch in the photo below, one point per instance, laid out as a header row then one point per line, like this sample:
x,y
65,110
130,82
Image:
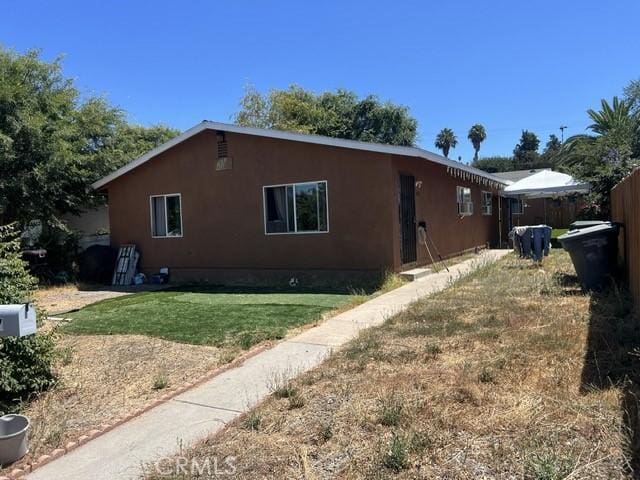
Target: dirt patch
x,y
103,378
484,380
65,298
57,300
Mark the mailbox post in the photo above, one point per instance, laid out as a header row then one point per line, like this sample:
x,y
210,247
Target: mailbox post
x,y
17,320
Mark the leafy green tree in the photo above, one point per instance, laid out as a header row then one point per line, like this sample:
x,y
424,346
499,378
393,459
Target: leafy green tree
x,y
605,156
339,114
477,135
254,109
54,143
551,154
131,141
525,154
553,144
494,164
632,96
446,140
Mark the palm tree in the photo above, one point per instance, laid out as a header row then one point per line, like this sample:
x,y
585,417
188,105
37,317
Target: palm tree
x,y
477,135
446,140
614,117
613,121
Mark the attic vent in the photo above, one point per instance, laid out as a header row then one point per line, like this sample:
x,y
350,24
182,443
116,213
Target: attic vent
x,y
223,149
224,160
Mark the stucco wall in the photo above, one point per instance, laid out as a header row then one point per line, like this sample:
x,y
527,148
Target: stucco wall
x,y
223,219
436,205
222,211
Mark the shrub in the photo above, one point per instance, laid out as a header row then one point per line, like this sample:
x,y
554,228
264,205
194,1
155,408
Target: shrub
x,y
281,386
160,381
327,433
391,409
432,350
285,391
548,466
25,368
391,281
296,401
486,375
25,363
396,457
16,285
252,421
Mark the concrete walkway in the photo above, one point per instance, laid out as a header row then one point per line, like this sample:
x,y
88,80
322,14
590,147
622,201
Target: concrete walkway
x,y
204,410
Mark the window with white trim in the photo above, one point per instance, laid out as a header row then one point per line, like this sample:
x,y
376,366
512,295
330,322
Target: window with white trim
x,y
517,206
296,208
166,215
463,197
487,203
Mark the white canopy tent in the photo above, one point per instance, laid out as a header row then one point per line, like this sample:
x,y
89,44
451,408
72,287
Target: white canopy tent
x,y
546,184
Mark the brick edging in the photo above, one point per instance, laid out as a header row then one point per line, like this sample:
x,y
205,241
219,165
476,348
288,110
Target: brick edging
x,y
19,473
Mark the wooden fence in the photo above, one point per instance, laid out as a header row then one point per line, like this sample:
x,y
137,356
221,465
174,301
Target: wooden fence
x,y
625,208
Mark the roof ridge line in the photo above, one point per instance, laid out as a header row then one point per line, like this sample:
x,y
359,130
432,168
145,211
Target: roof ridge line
x,y
295,136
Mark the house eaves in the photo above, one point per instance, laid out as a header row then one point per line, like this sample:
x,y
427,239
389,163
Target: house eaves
x,y
459,168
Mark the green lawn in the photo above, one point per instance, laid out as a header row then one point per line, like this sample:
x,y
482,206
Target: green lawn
x,y
556,232
206,315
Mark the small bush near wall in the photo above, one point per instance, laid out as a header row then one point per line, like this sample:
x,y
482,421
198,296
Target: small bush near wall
x,y
25,363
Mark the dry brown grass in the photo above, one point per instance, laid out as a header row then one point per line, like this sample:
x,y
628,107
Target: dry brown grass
x,y
510,373
64,298
103,378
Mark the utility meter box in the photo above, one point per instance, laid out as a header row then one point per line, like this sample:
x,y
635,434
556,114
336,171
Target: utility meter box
x,y
17,320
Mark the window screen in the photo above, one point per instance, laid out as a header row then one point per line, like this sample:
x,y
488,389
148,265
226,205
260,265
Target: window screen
x,y
296,208
166,216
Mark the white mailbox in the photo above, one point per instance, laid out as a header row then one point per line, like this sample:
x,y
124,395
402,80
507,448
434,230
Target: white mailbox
x,y
17,320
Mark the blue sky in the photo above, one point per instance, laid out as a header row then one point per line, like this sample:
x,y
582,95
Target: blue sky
x,y
507,64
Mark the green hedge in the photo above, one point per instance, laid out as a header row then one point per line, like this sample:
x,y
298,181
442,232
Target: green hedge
x,y
25,363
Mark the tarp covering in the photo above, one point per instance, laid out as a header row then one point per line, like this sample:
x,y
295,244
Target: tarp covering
x,y
546,183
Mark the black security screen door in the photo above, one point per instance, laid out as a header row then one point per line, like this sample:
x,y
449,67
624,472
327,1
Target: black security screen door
x,y
407,218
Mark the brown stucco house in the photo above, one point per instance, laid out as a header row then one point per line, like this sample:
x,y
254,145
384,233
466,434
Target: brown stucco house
x,y
227,204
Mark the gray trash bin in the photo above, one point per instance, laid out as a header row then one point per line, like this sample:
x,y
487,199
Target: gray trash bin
x,y
13,438
593,251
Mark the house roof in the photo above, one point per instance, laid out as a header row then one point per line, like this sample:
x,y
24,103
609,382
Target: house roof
x,y
299,137
546,183
517,175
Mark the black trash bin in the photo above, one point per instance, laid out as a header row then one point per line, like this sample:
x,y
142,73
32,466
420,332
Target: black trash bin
x,y
593,251
579,224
